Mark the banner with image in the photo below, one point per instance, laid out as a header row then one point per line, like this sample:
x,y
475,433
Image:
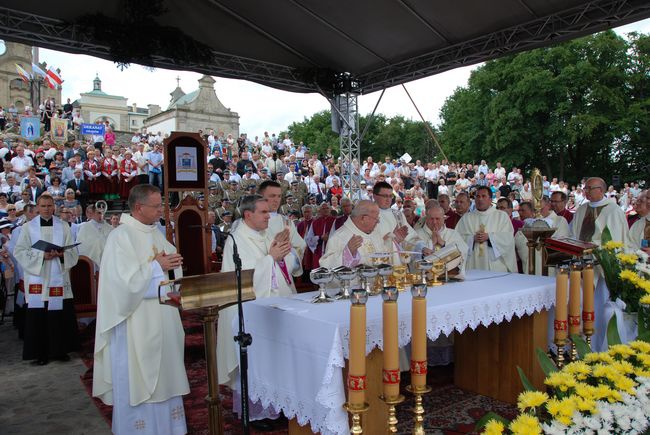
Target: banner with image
x,y
30,127
59,130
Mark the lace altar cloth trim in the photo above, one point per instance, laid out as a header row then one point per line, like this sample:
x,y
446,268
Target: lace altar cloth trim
x,y
485,298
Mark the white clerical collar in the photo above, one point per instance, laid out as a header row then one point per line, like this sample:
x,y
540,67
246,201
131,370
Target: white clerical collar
x,y
273,213
600,203
488,210
133,222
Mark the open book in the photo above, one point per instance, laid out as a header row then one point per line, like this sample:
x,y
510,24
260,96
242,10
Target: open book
x,y
44,246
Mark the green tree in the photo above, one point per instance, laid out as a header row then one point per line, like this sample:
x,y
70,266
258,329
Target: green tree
x,y
576,109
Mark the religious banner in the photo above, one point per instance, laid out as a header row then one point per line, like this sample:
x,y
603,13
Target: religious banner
x,y
59,130
93,129
30,127
186,164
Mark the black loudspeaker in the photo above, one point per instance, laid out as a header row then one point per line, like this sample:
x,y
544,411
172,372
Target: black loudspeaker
x,y
616,181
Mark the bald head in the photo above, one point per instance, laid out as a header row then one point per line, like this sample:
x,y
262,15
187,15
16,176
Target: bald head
x,y
595,189
435,218
365,216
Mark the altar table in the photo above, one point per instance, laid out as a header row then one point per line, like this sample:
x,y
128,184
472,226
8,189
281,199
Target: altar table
x,y
298,356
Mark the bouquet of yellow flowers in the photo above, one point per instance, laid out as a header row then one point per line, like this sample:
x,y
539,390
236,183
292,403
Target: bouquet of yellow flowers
x,y
624,280
603,392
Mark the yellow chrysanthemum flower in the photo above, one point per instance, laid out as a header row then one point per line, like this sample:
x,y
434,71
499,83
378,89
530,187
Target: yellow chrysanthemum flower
x,y
620,349
494,427
623,367
596,357
640,346
579,369
525,424
612,245
586,404
625,384
645,300
627,259
629,275
531,399
560,380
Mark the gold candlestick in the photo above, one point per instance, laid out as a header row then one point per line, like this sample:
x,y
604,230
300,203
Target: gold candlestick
x,y
418,409
392,415
559,361
356,412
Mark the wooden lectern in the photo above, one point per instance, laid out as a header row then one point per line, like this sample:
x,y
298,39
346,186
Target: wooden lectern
x,y
210,292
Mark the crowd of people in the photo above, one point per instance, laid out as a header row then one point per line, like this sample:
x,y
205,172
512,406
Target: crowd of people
x,y
283,204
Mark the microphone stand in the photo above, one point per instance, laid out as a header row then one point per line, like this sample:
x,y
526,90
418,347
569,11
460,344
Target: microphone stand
x,y
243,339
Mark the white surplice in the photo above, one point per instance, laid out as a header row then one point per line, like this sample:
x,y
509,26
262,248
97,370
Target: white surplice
x,y
48,273
390,219
636,234
92,235
268,281
498,257
611,216
450,236
337,245
139,343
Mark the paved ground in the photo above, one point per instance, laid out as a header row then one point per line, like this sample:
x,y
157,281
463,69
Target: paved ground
x,y
43,400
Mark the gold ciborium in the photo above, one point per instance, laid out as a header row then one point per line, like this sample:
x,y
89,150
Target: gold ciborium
x,y
400,273
437,269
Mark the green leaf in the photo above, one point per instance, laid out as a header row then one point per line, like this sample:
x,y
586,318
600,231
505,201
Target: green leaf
x,y
606,236
612,332
643,322
545,362
486,419
528,386
581,346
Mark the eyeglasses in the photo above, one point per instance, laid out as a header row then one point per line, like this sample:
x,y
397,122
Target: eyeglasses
x,y
588,188
384,195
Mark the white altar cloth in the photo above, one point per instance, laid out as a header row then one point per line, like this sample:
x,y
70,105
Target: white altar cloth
x,y
298,350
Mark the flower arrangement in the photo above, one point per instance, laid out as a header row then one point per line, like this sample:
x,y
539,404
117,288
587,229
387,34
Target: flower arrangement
x,y
607,392
624,273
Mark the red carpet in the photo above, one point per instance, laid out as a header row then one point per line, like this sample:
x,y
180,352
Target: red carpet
x,y
449,409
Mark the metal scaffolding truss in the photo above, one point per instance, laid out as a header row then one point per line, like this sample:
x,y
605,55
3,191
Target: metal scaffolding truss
x,y
346,106
55,34
589,18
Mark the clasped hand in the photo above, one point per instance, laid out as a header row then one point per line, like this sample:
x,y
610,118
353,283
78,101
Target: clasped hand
x,y
281,245
169,261
49,255
481,237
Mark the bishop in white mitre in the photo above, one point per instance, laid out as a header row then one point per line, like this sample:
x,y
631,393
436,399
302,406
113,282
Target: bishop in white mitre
x,y
489,236
274,262
92,235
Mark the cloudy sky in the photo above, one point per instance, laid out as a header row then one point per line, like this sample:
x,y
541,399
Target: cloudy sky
x,y
260,108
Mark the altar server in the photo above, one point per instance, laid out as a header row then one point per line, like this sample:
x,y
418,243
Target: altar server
x,y
489,235
356,241
92,235
50,322
591,218
435,235
274,261
139,343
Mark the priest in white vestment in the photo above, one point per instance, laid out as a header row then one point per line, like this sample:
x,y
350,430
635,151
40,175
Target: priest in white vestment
x,y
272,192
274,261
591,218
588,225
640,230
139,343
392,223
92,235
357,240
50,322
435,235
489,236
